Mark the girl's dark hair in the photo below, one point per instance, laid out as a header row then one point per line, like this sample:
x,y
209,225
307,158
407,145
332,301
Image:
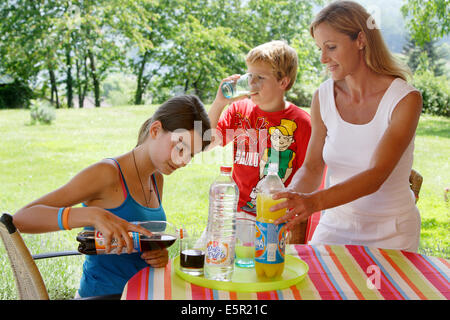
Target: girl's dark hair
x,y
180,112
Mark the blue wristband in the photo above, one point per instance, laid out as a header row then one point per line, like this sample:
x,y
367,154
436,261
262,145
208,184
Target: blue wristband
x,y
60,224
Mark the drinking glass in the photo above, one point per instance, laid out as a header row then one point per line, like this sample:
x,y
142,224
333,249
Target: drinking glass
x,y
246,85
192,250
245,243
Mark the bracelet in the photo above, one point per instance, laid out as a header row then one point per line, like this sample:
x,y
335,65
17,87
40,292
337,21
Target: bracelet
x,y
65,218
60,224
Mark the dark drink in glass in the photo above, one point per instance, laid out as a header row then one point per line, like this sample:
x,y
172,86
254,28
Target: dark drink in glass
x,y
191,261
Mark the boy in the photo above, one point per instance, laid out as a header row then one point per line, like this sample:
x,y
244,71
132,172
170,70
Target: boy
x,y
264,128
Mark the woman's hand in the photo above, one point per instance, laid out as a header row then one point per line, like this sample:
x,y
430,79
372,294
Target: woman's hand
x,y
299,207
116,229
156,258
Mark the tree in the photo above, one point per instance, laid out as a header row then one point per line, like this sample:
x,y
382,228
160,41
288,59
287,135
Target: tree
x,y
414,52
428,19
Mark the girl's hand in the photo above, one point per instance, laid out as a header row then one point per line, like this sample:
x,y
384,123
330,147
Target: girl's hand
x,y
116,229
299,207
156,258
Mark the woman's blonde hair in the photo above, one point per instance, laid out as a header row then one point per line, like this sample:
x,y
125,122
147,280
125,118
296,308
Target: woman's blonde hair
x,y
351,18
280,56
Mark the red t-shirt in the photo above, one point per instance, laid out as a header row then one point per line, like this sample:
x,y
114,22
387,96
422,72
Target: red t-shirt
x,y
259,138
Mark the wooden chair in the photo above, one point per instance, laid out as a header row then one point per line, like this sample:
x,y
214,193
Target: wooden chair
x,y
29,282
415,180
302,233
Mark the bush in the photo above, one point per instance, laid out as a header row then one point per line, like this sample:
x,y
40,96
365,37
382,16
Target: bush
x,y
15,95
435,93
42,111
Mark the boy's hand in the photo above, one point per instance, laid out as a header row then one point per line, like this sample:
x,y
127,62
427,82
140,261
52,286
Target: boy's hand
x,y
220,100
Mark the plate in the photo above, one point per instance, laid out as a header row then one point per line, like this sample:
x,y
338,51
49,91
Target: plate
x,y
246,280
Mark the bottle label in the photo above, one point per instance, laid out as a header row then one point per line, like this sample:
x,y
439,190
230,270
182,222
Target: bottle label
x,y
100,243
270,242
218,253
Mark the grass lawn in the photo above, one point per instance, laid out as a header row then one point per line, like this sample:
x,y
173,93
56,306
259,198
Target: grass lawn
x,y
36,159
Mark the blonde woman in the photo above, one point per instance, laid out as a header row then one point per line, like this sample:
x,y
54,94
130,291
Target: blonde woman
x,y
364,121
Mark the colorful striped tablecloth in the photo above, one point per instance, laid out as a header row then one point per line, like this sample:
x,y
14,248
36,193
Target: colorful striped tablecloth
x,y
335,273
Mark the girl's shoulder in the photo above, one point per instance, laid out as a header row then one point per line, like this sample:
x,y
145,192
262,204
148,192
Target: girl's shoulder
x,y
105,170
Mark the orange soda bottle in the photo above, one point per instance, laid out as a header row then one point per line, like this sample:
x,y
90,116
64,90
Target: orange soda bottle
x,y
270,239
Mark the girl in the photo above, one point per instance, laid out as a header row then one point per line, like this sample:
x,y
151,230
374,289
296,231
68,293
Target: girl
x,y
117,190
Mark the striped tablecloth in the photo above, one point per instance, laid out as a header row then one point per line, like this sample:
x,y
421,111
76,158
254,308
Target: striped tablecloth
x,y
335,273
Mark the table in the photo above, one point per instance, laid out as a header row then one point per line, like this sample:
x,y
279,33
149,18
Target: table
x,y
335,273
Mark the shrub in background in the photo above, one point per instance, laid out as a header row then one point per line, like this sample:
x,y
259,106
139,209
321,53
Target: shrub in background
x,y
15,95
435,93
42,111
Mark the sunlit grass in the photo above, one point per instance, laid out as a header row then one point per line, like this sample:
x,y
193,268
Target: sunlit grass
x,y
36,159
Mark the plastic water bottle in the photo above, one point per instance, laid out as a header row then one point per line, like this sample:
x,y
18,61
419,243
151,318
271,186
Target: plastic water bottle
x,y
270,239
221,228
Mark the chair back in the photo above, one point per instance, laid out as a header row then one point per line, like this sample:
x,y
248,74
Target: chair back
x,y
415,180
29,282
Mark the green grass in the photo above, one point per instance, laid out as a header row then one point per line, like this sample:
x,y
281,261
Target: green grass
x,y
36,159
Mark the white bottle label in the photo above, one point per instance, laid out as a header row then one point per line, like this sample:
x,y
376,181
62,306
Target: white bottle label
x,y
218,253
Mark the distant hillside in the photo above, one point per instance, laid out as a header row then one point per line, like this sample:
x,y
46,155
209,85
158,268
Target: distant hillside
x,y
390,19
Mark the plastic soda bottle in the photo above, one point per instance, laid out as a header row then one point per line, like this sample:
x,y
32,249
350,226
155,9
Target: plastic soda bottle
x,y
221,227
270,239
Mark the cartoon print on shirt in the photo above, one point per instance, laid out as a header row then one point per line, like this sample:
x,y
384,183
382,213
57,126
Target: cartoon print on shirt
x,y
281,138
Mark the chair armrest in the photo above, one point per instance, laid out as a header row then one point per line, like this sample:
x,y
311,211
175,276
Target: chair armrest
x,y
55,254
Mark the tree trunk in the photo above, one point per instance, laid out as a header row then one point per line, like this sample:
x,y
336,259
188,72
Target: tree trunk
x,y
54,87
95,80
69,81
140,81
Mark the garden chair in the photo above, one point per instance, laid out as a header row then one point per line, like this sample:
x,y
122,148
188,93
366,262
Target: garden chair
x,y
29,282
302,233
415,181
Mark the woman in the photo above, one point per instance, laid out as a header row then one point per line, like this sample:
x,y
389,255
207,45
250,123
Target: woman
x,y
118,190
363,125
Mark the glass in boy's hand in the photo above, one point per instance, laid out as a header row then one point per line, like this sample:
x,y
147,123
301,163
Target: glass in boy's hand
x,y
246,85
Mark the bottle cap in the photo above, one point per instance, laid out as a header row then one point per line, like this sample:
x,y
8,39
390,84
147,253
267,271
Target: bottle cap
x,y
226,169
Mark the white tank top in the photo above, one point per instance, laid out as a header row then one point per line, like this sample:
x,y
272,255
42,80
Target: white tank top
x,y
349,148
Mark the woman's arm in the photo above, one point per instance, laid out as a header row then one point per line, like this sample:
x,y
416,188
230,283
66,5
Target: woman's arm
x,y
388,152
309,176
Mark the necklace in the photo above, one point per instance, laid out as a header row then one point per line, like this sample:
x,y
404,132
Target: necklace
x,y
142,186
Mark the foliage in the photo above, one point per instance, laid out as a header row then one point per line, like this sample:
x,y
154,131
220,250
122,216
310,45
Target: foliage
x,y
435,57
15,95
42,111
428,20
435,90
187,44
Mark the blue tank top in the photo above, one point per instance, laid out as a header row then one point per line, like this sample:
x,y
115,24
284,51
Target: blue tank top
x,y
108,273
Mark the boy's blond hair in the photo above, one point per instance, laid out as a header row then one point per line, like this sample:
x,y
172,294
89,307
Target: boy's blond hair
x,y
282,57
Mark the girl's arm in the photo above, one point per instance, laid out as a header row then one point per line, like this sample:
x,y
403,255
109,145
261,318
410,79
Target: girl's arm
x,y
90,184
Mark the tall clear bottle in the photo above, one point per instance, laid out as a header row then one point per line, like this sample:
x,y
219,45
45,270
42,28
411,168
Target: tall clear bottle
x,y
221,228
270,239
